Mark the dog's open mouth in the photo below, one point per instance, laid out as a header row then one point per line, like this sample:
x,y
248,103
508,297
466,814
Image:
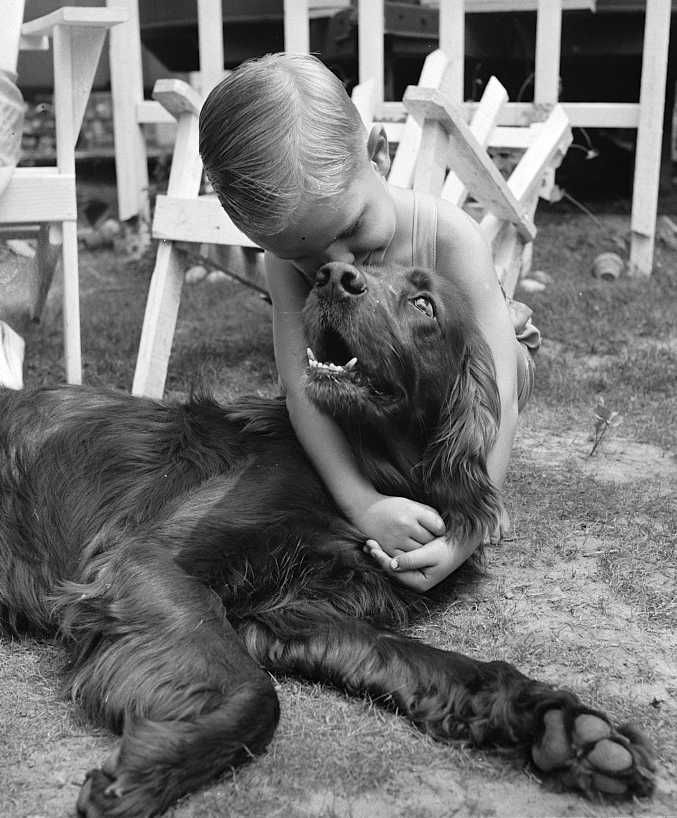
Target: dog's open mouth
x,y
335,357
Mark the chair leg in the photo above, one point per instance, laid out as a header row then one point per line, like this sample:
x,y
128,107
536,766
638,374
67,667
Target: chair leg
x,y
71,303
159,322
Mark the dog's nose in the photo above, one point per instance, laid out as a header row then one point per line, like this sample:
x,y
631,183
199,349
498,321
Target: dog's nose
x,y
341,278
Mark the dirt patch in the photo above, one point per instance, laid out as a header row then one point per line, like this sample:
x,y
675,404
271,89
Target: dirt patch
x,y
616,460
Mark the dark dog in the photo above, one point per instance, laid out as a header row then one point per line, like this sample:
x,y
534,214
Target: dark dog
x,y
183,551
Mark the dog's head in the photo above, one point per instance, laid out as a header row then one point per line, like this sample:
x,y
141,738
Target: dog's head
x,y
395,357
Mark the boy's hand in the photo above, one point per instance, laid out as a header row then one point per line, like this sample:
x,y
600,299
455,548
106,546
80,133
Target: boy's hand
x,y
399,525
425,566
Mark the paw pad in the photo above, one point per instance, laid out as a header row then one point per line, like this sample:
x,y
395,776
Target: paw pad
x,y
554,749
589,728
610,756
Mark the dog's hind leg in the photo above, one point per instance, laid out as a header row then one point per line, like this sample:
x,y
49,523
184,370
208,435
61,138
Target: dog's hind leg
x,y
451,696
155,657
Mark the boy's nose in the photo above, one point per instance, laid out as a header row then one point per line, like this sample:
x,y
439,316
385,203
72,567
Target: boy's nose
x,y
339,252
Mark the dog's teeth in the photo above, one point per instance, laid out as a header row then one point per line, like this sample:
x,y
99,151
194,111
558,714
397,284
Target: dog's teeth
x,y
351,364
311,355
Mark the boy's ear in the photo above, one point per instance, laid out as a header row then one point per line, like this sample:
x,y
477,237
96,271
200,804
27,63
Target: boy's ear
x,y
377,148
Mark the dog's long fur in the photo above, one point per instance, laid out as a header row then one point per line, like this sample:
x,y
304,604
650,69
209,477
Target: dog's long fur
x,y
180,551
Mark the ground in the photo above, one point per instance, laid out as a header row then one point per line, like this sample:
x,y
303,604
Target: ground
x,y
582,594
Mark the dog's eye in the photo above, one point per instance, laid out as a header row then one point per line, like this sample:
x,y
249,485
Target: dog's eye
x,y
424,305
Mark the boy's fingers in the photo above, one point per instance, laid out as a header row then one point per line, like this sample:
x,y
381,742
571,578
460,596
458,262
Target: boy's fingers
x,y
414,560
431,521
374,550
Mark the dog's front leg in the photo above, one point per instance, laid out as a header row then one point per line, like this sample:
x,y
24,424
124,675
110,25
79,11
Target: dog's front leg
x,y
452,696
156,659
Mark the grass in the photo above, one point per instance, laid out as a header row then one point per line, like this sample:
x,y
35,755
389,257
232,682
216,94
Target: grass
x,y
581,594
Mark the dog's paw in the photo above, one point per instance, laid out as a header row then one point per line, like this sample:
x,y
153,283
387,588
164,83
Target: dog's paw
x,y
582,750
96,799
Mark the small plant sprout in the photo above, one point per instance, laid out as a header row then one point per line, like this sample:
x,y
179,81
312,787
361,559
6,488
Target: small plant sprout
x,y
604,418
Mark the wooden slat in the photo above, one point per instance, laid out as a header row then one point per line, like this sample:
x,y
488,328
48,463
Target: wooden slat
x,y
405,160
210,43
159,323
296,29
364,99
548,45
482,126
370,33
151,112
126,77
649,136
471,162
452,44
547,151
25,201
177,97
10,34
581,114
74,16
201,220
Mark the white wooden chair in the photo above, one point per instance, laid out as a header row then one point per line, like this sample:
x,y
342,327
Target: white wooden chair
x,y
42,200
433,136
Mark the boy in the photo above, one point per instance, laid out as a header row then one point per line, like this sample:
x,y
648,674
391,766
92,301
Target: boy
x,y
285,151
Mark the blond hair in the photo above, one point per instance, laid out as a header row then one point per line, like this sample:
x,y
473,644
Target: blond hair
x,y
277,131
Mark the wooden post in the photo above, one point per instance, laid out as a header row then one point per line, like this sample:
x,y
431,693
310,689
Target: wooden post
x,y
296,26
370,33
210,43
452,44
66,135
649,136
548,44
126,79
10,33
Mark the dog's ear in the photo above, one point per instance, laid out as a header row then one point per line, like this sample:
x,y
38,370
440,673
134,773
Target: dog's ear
x,y
454,463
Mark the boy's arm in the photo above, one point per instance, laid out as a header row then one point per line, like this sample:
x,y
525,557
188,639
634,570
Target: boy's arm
x,y
397,523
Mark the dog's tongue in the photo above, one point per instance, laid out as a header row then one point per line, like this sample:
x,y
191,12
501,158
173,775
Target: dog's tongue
x,y
315,364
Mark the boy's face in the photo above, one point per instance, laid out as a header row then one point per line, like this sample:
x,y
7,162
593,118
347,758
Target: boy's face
x,y
346,227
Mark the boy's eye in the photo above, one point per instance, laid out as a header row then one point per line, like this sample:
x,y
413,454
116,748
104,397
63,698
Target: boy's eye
x,y
424,305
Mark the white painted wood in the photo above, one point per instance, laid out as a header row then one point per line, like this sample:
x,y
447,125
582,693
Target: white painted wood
x,y
126,77
364,99
200,220
548,44
177,97
85,50
452,44
470,160
405,159
296,30
30,198
489,6
159,323
524,183
370,33
12,347
210,43
150,112
75,16
164,293
649,136
581,114
10,34
71,302
431,162
482,126
553,140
